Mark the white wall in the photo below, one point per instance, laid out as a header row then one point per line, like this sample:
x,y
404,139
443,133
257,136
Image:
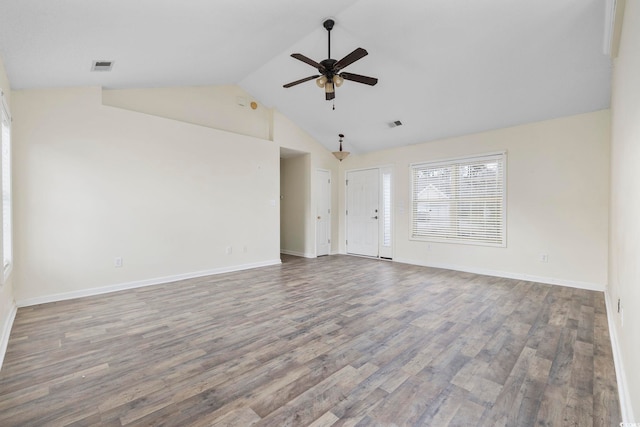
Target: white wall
x,y
557,201
95,182
295,188
624,257
7,304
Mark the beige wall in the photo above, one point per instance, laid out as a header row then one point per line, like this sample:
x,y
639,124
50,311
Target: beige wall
x,y
624,257
7,304
96,182
216,107
295,189
557,201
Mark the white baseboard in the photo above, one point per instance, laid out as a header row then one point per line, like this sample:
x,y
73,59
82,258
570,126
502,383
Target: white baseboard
x,y
6,331
510,275
295,253
139,283
621,375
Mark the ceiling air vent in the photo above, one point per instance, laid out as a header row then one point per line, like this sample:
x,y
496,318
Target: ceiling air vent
x,y
102,65
395,124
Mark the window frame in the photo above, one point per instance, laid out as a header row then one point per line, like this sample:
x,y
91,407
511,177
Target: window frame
x,y
455,236
7,191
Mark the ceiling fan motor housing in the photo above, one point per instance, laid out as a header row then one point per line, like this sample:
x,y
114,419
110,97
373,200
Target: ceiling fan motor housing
x,y
328,24
327,67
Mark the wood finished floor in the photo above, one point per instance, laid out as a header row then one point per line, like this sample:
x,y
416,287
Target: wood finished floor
x,y
333,341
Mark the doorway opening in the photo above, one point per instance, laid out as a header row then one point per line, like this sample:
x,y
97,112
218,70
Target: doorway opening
x,y
294,202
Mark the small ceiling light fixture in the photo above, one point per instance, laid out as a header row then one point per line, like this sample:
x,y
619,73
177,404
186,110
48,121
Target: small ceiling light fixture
x,y
341,155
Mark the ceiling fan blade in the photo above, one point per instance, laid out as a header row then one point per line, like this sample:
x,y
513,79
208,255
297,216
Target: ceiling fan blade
x,y
359,53
371,81
330,95
301,57
297,82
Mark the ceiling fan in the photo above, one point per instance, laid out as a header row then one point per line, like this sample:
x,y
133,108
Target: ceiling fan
x,y
330,75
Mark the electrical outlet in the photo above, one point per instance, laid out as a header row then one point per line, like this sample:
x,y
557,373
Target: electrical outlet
x,y
245,249
544,258
117,262
229,250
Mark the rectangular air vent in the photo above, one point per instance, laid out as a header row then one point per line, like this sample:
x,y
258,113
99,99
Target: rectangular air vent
x,y
102,65
395,124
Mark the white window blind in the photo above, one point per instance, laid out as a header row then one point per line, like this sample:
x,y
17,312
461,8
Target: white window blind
x,y
5,137
460,200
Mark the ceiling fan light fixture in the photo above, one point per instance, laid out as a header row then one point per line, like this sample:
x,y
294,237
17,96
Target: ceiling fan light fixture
x,y
328,87
321,81
337,80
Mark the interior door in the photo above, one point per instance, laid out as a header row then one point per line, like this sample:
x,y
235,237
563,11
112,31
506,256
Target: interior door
x,y
323,212
362,212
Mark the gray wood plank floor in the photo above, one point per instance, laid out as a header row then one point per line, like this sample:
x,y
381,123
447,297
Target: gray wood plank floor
x,y
333,341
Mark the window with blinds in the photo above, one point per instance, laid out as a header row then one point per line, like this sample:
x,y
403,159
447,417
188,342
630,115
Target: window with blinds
x,y
460,200
5,163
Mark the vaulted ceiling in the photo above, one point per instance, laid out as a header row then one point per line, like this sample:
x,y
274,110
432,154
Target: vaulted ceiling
x,y
445,67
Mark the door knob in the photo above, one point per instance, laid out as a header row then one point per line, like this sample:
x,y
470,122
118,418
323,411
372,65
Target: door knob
x,y
374,217
318,216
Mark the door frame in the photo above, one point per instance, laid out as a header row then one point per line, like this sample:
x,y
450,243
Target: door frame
x,y
317,200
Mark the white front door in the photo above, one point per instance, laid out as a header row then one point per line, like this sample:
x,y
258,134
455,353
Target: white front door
x,y
362,212
323,212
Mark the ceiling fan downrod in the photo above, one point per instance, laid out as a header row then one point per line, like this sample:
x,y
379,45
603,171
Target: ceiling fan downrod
x,y
328,25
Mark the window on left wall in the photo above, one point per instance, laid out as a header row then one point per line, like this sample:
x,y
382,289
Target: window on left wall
x,y
5,164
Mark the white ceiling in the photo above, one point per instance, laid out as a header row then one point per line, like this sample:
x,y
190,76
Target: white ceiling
x,y
445,67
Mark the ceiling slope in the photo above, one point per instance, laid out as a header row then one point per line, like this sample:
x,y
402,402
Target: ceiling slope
x,y
445,67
